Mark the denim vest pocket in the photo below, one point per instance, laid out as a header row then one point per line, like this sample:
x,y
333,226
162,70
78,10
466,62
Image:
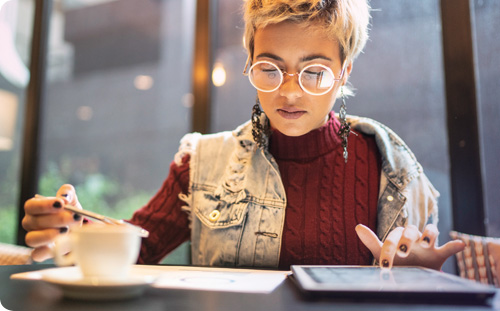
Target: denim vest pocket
x,y
216,213
217,230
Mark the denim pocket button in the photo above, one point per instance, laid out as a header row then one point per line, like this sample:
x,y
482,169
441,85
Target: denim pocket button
x,y
214,215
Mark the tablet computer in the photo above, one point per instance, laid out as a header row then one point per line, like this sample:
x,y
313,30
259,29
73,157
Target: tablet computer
x,y
398,283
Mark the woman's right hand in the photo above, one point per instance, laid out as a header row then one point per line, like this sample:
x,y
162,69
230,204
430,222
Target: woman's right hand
x,y
45,219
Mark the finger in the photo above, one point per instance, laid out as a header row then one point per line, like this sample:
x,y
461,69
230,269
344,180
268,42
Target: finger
x,y
43,205
429,236
42,253
68,192
451,248
47,221
409,236
369,239
40,238
389,248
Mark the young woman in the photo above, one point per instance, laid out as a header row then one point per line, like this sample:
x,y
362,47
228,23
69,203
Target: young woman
x,y
291,186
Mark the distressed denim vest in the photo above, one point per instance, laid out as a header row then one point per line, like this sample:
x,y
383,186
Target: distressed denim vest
x,y
237,201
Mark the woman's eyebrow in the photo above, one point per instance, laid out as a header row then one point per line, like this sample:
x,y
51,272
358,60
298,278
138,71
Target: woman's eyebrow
x,y
313,57
269,55
302,60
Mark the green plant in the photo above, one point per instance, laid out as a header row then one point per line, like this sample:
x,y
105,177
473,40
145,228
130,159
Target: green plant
x,y
8,216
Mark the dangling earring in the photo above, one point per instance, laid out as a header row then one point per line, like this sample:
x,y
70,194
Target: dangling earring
x,y
345,127
259,131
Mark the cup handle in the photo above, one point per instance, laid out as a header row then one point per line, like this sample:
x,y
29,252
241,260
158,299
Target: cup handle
x,y
62,257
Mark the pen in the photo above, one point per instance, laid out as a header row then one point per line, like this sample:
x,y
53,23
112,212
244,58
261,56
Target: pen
x,y
105,219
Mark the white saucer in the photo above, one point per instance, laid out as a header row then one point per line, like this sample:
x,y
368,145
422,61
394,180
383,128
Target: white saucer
x,y
75,286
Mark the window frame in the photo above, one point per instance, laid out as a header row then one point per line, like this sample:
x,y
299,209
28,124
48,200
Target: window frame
x,y
461,103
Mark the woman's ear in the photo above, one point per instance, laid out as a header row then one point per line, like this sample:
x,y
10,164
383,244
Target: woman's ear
x,y
347,72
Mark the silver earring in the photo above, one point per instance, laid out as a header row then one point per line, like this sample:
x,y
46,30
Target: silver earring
x,y
259,131
345,127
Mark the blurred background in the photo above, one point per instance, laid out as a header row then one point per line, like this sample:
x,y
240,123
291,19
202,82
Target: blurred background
x,y
118,95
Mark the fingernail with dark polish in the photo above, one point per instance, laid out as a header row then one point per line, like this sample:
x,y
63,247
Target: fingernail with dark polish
x,y
427,240
57,204
77,217
403,248
63,229
385,263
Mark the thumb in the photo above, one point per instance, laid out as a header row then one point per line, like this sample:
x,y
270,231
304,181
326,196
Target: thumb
x,y
369,239
451,248
68,192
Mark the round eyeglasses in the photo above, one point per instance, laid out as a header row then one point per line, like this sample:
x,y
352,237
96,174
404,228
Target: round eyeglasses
x,y
315,79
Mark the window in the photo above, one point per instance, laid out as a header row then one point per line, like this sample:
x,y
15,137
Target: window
x,y
118,84
15,41
119,81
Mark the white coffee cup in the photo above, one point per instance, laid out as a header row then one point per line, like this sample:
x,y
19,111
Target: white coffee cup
x,y
101,251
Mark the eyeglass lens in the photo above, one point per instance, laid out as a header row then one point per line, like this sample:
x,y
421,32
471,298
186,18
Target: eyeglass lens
x,y
314,79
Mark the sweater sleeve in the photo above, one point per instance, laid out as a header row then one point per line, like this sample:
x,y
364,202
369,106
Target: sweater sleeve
x,y
163,217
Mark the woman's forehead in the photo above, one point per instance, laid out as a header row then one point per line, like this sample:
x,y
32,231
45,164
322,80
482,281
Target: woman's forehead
x,y
293,39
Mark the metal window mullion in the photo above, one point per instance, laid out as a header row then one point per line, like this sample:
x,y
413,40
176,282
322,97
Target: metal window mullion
x,y
34,100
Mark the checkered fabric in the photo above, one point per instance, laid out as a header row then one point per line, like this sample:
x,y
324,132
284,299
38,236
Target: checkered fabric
x,y
479,260
14,255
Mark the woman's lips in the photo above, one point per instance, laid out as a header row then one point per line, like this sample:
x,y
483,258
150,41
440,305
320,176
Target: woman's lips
x,y
291,115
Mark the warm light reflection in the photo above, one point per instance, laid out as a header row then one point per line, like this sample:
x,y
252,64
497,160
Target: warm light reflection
x,y
219,75
84,113
188,100
8,116
143,82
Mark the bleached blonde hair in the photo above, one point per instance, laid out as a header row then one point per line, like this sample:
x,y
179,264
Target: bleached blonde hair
x,y
344,20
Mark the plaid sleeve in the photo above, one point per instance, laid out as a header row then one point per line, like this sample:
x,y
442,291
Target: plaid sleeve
x,y
478,261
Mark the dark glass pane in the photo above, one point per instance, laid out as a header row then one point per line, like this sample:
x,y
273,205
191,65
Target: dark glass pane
x,y
232,102
487,24
400,82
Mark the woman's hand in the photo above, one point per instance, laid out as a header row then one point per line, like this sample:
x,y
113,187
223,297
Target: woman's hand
x,y
45,219
409,247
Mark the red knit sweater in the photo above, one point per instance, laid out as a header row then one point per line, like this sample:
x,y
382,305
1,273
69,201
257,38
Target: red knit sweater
x,y
326,199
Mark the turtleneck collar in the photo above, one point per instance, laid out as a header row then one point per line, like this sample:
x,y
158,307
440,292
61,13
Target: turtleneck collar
x,y
308,146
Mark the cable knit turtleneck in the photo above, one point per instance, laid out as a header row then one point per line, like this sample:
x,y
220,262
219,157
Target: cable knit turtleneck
x,y
326,198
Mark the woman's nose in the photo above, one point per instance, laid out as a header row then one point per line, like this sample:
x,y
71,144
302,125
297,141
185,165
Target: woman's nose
x,y
290,87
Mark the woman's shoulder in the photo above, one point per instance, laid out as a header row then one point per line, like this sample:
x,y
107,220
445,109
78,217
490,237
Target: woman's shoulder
x,y
372,127
398,161
224,139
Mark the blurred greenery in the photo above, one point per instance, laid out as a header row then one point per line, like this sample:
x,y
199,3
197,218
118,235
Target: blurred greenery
x,y
8,216
96,193
9,193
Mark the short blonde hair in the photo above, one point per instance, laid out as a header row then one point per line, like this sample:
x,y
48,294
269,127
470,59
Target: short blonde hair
x,y
344,20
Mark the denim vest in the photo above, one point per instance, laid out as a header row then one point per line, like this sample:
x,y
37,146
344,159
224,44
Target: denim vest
x,y
237,201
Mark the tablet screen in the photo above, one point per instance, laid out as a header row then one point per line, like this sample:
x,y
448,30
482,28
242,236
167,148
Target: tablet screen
x,y
399,280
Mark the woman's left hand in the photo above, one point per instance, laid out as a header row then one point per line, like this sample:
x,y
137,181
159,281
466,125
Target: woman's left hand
x,y
409,247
